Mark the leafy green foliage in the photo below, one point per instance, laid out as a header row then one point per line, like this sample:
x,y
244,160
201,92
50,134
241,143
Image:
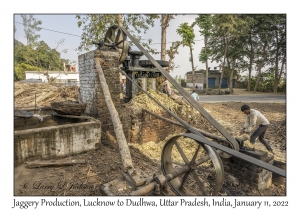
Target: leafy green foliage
x,y
42,56
204,54
266,84
171,52
230,28
95,26
187,34
20,68
205,24
246,42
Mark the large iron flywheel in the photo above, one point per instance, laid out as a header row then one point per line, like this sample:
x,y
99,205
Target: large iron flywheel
x,y
204,172
117,39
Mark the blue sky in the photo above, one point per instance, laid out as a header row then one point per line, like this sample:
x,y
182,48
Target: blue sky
x,y
67,24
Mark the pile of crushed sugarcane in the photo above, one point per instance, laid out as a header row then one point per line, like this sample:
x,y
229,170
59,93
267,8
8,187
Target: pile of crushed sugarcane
x,y
154,150
176,105
42,94
143,101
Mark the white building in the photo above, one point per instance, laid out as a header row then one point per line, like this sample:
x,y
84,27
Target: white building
x,y
69,78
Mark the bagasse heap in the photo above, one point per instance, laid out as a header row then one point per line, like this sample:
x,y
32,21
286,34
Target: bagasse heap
x,y
143,101
26,95
183,110
153,150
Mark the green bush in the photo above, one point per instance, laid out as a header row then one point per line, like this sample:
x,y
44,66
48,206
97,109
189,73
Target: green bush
x,y
20,68
183,83
282,86
266,83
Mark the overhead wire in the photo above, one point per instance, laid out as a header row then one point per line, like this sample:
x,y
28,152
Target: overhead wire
x,y
221,37
54,31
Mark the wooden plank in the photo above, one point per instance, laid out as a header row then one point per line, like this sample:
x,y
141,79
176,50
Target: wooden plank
x,y
74,116
118,128
38,164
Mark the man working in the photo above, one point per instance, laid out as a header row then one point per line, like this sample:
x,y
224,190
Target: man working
x,y
195,95
166,87
253,116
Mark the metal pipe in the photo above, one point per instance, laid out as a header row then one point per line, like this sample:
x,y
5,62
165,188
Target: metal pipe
x,y
153,84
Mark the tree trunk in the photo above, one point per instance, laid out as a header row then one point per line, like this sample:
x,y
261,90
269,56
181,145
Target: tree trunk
x,y
118,128
231,75
276,65
259,68
282,66
206,63
250,64
120,21
277,74
193,70
164,25
225,53
257,79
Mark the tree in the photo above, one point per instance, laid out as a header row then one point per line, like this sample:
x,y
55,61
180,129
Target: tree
x,y
247,42
250,45
262,39
24,54
47,58
205,24
187,34
278,47
20,68
256,42
235,50
171,52
95,26
266,43
165,19
31,26
42,57
224,26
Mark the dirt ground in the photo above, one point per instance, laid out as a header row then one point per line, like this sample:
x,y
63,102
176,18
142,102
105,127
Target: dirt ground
x,y
104,164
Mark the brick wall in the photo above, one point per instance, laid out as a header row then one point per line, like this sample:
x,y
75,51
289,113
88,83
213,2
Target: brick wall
x,y
255,175
90,88
155,129
198,78
146,127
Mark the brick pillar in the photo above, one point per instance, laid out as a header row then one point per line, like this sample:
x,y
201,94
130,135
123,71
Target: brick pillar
x,y
256,176
90,88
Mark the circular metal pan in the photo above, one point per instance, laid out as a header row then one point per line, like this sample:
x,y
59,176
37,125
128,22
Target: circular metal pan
x,y
117,39
203,169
